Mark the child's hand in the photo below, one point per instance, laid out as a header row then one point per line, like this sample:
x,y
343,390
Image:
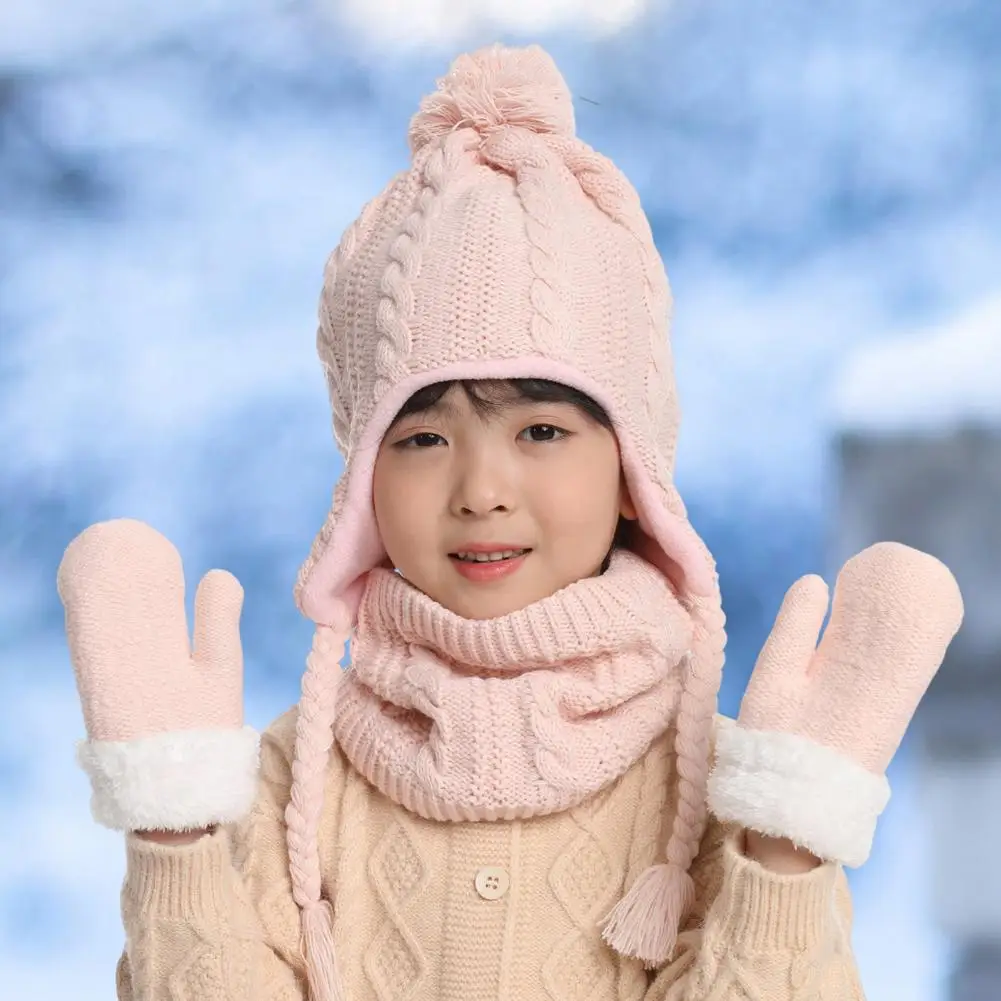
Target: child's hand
x,y
818,726
167,749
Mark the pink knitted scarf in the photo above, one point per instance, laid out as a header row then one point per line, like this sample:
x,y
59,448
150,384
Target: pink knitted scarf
x,y
517,716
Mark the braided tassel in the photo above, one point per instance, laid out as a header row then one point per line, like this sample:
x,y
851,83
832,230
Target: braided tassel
x,y
646,922
313,740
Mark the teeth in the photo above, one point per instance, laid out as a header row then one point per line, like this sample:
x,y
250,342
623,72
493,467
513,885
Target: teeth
x,y
490,557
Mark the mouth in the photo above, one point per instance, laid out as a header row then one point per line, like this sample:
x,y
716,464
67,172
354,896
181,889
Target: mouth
x,y
484,568
500,556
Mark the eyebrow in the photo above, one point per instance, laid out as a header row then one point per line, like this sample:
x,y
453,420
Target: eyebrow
x,y
444,407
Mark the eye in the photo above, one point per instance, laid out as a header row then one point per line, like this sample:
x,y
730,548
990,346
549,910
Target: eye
x,y
544,433
547,433
420,440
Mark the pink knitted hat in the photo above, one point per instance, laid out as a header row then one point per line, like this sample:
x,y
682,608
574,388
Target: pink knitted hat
x,y
509,249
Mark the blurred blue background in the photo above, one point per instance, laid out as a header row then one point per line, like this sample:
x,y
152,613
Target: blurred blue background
x,y
820,178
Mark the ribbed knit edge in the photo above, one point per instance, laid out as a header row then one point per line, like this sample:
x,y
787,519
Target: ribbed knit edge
x,y
624,602
178,881
763,910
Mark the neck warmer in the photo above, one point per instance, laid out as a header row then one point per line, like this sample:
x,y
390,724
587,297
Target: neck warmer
x,y
517,716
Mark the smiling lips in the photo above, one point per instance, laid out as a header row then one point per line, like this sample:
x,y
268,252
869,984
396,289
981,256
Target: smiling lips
x,y
491,555
498,550
488,562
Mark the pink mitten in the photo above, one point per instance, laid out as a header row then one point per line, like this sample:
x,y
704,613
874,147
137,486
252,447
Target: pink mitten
x,y
817,728
166,747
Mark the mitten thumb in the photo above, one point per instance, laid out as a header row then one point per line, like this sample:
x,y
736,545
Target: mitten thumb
x,y
218,603
773,690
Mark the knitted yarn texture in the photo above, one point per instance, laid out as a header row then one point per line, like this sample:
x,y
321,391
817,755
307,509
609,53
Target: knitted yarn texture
x,y
549,705
508,249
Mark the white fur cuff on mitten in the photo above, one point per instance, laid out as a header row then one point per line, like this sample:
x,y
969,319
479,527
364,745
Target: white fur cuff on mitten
x,y
179,781
786,786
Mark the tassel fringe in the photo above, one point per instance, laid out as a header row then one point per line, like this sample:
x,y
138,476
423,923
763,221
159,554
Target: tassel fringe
x,y
644,924
318,943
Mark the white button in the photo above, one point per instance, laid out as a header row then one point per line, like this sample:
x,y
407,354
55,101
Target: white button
x,y
492,882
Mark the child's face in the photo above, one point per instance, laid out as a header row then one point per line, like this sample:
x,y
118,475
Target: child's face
x,y
541,476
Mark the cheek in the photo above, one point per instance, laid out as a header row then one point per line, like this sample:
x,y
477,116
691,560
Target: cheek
x,y
402,504
386,493
579,500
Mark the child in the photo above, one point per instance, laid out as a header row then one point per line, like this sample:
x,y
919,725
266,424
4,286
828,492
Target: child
x,y
505,796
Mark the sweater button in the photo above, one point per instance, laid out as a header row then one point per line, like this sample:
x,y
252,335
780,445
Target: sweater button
x,y
492,882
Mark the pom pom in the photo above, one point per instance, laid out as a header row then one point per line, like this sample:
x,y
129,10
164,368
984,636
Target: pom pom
x,y
493,87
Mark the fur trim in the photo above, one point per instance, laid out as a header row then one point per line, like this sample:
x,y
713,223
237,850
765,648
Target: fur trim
x,y
178,781
786,786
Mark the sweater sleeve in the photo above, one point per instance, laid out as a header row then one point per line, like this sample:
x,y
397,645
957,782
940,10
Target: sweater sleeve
x,y
754,933
215,920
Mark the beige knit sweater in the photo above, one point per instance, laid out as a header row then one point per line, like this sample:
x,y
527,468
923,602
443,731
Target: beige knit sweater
x,y
432,911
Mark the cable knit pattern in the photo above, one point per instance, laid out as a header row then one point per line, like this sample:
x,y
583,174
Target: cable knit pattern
x,y
396,963
512,717
216,921
527,157
602,181
584,880
395,307
339,380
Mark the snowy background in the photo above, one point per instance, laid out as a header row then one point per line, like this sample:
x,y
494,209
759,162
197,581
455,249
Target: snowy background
x,y
821,178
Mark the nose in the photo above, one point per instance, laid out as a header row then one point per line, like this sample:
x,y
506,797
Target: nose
x,y
483,484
